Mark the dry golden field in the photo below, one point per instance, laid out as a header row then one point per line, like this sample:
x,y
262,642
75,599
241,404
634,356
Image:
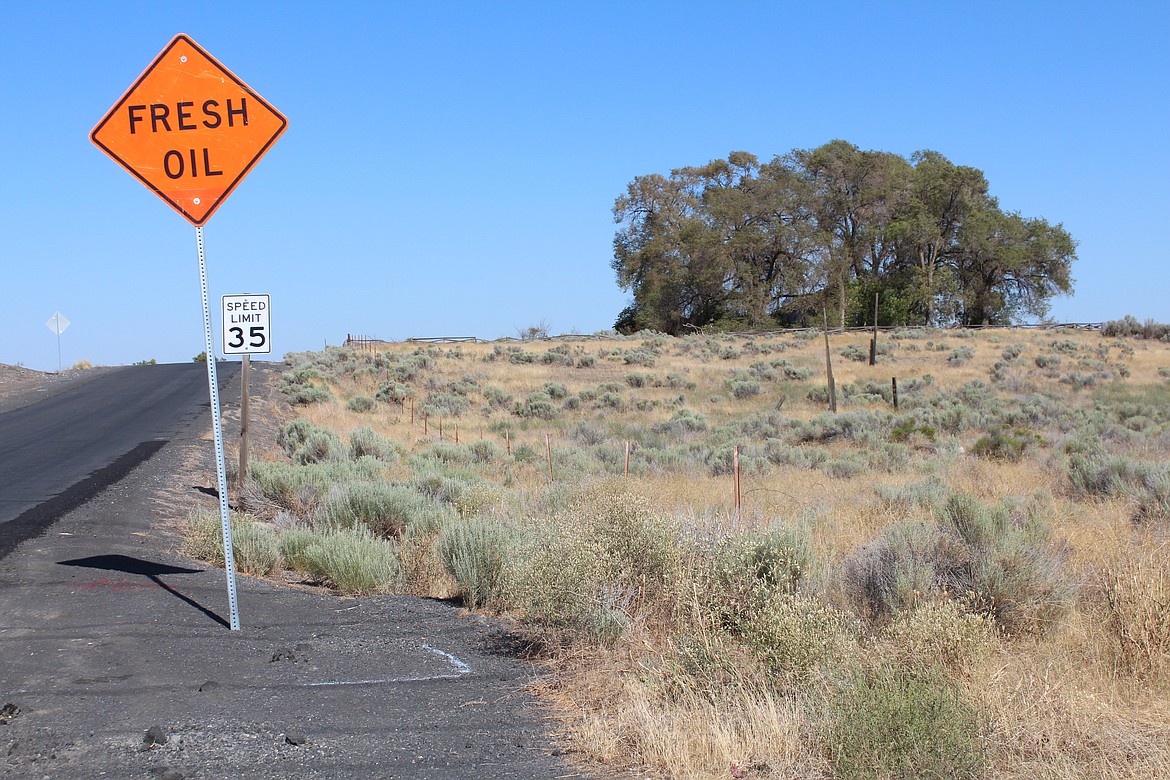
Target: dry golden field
x,y
974,584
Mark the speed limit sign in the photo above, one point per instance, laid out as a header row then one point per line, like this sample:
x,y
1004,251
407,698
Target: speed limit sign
x,y
246,325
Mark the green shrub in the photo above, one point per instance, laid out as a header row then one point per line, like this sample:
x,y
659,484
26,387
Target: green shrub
x,y
475,552
797,636
254,547
496,397
1014,575
444,486
394,392
1047,361
365,442
744,389
1012,352
854,352
486,451
1010,444
682,422
792,372
988,558
307,443
907,429
844,468
610,401
298,488
931,493
360,404
556,391
204,537
750,574
307,394
1078,380
601,559
292,544
387,510
1096,473
442,404
868,391
961,356
721,460
903,723
558,356
852,425
353,560
537,405
804,457
761,371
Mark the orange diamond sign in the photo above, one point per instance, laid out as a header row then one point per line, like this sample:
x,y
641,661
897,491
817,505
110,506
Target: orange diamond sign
x,y
189,129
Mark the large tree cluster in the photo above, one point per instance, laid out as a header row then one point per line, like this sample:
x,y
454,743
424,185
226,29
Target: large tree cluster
x,y
742,244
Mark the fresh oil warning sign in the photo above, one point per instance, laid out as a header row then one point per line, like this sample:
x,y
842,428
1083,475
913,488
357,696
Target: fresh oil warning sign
x,y
189,129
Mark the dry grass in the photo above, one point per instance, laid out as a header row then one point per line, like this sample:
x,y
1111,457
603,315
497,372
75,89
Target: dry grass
x,y
1088,697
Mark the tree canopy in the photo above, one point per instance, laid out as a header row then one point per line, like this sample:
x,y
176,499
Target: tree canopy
x,y
743,244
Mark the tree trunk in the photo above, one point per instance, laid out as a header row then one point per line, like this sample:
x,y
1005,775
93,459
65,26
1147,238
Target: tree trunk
x,y
841,298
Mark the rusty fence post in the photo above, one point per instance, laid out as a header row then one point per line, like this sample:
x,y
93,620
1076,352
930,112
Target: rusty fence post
x,y
735,476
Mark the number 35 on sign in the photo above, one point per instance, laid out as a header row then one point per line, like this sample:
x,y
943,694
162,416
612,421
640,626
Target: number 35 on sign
x,y
246,325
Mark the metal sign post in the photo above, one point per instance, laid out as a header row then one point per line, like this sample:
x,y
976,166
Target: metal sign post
x,y
57,323
229,558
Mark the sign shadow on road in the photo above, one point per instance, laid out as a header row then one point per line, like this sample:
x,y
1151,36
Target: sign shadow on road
x,y
151,570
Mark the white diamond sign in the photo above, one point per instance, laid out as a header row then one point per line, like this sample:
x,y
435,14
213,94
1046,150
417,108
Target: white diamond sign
x,y
57,323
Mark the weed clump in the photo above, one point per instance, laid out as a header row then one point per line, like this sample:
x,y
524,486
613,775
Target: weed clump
x,y
538,405
476,553
1135,594
360,404
353,560
254,547
905,723
305,443
1010,444
989,559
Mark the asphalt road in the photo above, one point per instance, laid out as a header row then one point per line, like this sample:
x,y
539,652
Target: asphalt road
x,y
115,659
59,452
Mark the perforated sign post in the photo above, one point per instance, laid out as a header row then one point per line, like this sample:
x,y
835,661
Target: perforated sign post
x,y
190,130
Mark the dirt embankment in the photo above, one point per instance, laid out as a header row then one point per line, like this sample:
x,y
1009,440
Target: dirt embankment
x,y
20,386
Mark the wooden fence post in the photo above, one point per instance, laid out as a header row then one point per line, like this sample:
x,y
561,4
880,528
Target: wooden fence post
x,y
244,414
735,476
627,473
894,385
548,448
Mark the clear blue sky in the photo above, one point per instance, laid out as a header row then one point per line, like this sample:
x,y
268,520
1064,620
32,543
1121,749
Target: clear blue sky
x,y
450,167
